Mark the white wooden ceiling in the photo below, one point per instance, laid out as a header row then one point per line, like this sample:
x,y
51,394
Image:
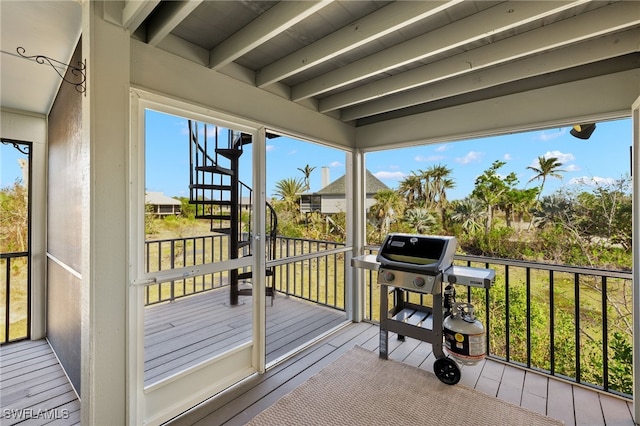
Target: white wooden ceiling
x,y
360,61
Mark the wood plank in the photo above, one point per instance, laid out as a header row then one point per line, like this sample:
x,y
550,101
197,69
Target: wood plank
x,y
489,380
471,374
587,407
560,401
615,411
511,385
534,392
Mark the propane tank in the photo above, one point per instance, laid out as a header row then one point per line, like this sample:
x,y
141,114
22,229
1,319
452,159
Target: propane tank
x,y
464,335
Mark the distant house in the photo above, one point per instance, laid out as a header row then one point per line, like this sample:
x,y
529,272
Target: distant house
x,y
331,198
161,205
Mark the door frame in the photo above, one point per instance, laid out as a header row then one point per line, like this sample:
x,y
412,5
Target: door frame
x,y
157,403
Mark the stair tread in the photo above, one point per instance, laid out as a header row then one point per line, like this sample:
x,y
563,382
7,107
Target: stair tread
x,y
215,169
229,153
210,186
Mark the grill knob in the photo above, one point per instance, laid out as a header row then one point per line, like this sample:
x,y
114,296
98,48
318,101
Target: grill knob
x,y
419,282
388,276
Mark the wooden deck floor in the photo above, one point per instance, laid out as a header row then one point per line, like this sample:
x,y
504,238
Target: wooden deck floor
x,y
33,384
572,404
33,387
192,329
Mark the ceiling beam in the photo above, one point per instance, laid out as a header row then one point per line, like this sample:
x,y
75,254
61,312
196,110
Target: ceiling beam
x,y
590,51
274,21
384,21
501,17
168,16
135,12
589,25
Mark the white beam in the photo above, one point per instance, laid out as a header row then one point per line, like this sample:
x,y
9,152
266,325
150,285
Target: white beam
x,y
135,12
499,18
599,98
589,25
574,55
167,18
384,21
268,25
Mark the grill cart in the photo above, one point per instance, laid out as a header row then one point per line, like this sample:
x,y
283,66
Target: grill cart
x,y
423,264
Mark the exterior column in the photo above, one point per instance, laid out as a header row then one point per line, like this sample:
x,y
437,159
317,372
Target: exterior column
x,y
356,231
105,122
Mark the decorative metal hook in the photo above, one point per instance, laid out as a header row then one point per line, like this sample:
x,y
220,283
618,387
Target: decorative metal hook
x,y
17,145
78,71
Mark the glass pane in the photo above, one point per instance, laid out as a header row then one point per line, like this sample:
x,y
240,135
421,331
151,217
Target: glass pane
x,y
198,210
14,240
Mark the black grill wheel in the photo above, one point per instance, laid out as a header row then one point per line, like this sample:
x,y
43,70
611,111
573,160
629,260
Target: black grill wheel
x,y
447,371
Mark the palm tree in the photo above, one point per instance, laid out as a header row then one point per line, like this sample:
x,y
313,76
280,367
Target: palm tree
x,y
436,183
470,213
546,167
411,189
420,219
307,172
289,191
388,204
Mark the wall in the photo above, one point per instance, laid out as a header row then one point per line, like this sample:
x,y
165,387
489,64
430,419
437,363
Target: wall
x,y
64,249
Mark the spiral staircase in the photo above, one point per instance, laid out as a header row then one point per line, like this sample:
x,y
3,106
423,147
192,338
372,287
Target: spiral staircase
x,y
219,196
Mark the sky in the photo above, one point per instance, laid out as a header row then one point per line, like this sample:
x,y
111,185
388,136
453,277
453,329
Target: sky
x,y
602,158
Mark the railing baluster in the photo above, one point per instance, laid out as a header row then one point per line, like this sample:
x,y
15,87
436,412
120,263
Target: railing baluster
x,y
605,337
507,320
576,283
528,287
552,325
7,314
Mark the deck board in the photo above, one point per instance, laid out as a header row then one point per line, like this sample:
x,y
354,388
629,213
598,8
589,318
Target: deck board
x,y
33,387
189,330
26,383
510,383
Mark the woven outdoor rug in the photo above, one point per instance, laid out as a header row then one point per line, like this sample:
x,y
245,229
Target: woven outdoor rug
x,y
361,389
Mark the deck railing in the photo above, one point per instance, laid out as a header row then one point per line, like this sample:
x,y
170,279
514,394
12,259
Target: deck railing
x,y
308,269
15,290
569,322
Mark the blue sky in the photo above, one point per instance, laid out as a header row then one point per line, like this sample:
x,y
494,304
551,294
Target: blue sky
x,y
604,157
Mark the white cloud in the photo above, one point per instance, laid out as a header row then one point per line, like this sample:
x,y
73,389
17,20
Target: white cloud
x,y
335,164
428,158
592,181
562,157
471,157
507,157
441,148
572,168
270,148
548,135
389,175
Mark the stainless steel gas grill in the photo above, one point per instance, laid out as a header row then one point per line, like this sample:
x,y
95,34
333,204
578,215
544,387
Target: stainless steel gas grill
x,y
409,263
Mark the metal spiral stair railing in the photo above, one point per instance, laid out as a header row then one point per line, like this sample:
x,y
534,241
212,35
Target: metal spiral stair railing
x,y
217,193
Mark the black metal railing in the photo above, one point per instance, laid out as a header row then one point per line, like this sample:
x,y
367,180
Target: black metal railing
x,y
16,292
313,270
569,322
308,269
564,321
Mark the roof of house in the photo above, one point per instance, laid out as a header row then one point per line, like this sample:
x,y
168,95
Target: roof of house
x,y
337,186
158,198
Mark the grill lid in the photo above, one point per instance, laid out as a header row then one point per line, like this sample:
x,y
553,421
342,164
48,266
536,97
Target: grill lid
x,y
419,253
